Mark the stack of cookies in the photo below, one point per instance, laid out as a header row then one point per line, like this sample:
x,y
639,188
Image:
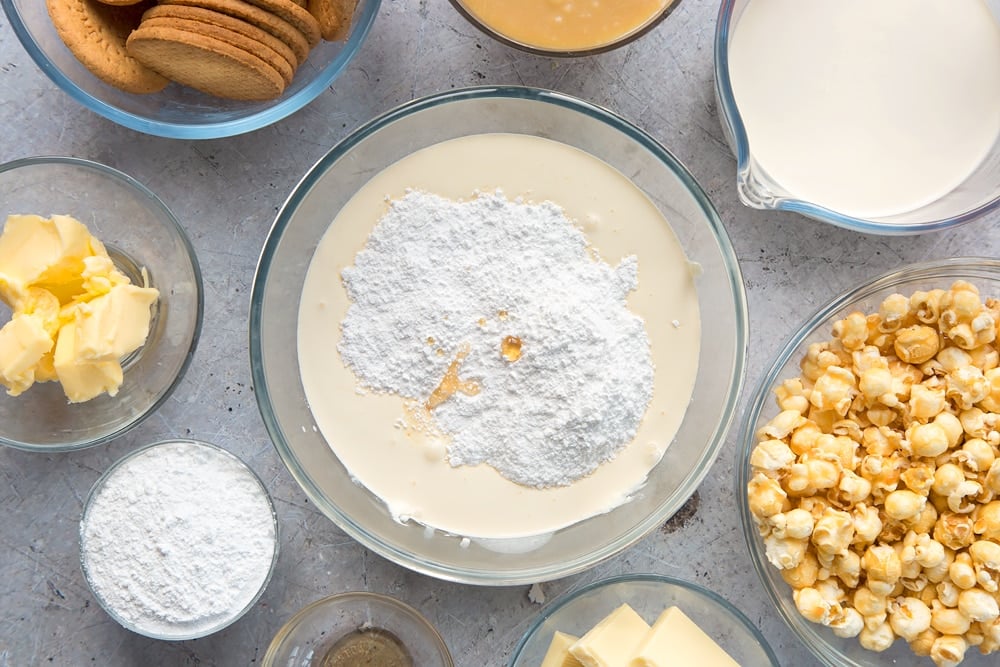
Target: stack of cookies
x,y
236,49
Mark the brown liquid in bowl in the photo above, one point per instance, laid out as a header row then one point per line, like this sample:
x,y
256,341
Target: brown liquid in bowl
x,y
371,647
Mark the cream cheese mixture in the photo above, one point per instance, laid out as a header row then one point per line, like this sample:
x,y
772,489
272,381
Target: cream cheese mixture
x,y
375,435
868,107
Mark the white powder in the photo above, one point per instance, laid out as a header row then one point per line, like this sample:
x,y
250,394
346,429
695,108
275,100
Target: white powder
x,y
439,279
179,539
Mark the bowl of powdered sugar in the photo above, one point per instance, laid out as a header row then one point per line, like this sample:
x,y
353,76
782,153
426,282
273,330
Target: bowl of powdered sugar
x,y
178,540
497,335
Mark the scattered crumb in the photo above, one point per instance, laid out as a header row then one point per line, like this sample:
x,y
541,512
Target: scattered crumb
x,y
536,594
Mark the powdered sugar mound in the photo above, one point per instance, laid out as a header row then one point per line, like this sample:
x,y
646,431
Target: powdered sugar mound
x,y
439,277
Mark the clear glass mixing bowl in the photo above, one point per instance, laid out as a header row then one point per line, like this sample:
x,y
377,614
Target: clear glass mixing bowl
x,y
649,594
544,50
307,636
307,215
178,112
977,196
140,233
197,628
829,649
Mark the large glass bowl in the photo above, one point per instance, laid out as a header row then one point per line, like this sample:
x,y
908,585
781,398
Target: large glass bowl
x,y
827,647
648,594
178,112
142,237
978,195
307,215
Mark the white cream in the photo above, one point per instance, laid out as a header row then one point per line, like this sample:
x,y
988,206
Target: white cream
x,y
405,468
868,107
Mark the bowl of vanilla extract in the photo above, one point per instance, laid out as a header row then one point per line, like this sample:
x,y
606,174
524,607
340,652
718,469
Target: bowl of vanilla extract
x,y
357,628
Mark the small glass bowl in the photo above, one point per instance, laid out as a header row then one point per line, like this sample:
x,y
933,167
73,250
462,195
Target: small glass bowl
x,y
183,633
829,649
307,215
977,196
306,637
649,594
178,112
583,50
140,233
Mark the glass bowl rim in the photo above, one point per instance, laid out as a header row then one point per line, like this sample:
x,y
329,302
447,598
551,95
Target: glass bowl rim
x,y
730,116
571,596
621,41
98,486
336,599
746,439
174,224
735,379
210,130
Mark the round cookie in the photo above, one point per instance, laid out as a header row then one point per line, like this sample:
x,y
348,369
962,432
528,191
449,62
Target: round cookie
x,y
333,17
265,20
281,60
294,14
96,34
206,64
229,23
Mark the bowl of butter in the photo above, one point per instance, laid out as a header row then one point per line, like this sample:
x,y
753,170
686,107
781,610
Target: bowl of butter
x,y
101,303
647,620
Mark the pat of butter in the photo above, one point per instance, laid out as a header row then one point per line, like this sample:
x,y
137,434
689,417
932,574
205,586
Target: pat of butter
x,y
23,343
46,253
558,654
81,379
677,640
114,324
613,641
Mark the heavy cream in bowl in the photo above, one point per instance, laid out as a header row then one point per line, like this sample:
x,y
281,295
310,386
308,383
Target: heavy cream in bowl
x,y
865,114
514,179
517,336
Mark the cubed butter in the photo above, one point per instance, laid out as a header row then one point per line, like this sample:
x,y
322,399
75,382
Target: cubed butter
x,y
47,253
558,654
113,324
677,640
613,641
83,380
23,343
100,276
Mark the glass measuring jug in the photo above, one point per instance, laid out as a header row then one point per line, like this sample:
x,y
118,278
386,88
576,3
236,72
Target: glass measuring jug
x,y
977,195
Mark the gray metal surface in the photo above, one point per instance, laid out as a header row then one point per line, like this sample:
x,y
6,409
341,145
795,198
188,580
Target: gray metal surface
x,y
226,193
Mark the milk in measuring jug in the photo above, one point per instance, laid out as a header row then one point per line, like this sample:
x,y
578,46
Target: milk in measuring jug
x,y
868,107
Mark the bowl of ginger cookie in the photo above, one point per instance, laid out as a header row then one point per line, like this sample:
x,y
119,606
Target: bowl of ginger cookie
x,y
192,69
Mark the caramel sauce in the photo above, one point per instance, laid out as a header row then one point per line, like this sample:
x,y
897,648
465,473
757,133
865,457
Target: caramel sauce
x,y
564,24
451,384
510,348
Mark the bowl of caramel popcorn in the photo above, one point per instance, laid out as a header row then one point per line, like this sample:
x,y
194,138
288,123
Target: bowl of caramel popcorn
x,y
869,471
